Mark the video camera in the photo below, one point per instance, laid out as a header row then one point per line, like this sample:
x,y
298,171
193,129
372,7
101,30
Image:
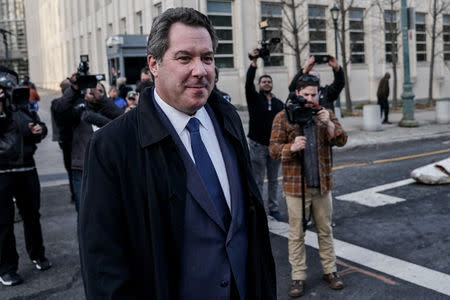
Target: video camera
x,y
85,81
264,51
297,112
15,98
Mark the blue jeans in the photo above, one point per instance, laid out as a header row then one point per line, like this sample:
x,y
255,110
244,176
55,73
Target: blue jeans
x,y
77,176
262,162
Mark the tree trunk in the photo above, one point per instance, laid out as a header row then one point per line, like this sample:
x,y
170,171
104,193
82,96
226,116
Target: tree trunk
x,y
430,101
296,40
348,99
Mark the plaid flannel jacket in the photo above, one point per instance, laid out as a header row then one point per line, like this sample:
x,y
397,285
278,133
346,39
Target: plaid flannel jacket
x,y
281,139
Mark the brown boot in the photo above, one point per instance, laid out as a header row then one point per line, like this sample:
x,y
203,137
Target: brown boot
x,y
297,288
334,281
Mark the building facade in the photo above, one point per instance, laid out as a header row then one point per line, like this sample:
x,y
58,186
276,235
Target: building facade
x,y
13,40
62,30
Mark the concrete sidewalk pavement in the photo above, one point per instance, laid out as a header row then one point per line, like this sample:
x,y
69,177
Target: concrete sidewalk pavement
x,y
392,133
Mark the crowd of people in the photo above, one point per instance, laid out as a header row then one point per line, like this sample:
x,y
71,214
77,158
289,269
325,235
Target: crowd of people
x,y
193,225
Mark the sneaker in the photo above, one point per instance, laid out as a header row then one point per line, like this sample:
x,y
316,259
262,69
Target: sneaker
x,y
276,215
42,264
334,281
297,288
11,278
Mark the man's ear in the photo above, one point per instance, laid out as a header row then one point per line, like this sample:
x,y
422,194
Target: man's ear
x,y
153,65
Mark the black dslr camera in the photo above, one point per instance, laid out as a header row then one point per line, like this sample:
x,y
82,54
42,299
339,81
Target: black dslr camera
x,y
85,81
297,112
266,44
14,98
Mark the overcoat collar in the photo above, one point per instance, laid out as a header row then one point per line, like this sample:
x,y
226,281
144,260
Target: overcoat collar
x,y
151,130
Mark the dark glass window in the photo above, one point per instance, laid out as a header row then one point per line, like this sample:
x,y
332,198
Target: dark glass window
x,y
317,22
273,14
220,14
421,37
356,21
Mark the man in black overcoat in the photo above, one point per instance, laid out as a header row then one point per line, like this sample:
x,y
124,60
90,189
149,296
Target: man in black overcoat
x,y
169,207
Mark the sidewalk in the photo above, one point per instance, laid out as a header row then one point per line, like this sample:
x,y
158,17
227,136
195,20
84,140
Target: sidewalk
x,y
392,133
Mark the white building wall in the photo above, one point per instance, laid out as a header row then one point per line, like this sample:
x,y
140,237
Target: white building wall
x,y
59,31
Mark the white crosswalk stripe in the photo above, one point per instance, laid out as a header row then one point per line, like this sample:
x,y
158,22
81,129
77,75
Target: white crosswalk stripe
x,y
421,276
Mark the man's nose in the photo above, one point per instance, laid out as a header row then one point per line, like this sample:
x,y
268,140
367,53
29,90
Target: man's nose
x,y
199,69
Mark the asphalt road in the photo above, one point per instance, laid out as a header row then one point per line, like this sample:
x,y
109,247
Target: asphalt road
x,y
402,238
414,231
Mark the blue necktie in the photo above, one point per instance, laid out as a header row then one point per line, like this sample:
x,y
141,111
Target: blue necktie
x,y
206,169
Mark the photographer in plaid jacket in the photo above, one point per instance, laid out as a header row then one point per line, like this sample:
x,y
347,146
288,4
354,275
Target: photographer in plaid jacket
x,y
319,134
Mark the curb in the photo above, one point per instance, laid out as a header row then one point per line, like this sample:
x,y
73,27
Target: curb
x,y
390,143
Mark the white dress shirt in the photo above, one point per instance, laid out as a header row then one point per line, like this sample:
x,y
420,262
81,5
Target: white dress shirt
x,y
179,121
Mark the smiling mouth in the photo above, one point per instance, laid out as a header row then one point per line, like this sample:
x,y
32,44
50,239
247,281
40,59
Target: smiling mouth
x,y
197,87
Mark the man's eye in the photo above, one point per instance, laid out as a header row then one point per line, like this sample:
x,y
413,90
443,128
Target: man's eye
x,y
183,58
208,59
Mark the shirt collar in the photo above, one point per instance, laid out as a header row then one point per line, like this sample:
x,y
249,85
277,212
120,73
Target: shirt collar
x,y
179,119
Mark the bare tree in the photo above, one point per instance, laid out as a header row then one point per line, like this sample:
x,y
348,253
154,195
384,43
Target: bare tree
x,y
392,32
293,24
344,7
436,10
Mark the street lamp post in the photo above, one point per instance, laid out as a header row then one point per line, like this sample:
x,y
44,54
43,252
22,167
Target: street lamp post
x,y
334,15
407,95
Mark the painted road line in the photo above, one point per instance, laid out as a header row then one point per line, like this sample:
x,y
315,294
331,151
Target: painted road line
x,y
54,182
371,196
410,156
380,161
418,275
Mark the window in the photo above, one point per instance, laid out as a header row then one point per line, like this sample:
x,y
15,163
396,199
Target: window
x,y
139,25
446,36
390,28
421,37
356,26
272,13
123,26
219,12
158,10
317,23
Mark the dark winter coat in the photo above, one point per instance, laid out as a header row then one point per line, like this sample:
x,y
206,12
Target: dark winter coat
x,y
130,244
70,109
18,143
383,87
261,115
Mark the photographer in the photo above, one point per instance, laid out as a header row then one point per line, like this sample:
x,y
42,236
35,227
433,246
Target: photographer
x,y
84,115
62,133
329,93
312,139
20,131
262,108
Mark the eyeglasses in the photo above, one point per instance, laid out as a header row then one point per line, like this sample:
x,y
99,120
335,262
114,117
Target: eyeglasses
x,y
310,78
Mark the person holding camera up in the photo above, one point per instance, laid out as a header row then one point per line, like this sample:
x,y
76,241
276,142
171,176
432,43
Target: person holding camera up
x,y
262,108
84,114
328,93
292,139
20,131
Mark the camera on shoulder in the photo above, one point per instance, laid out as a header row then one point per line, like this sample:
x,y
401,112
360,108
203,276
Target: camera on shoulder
x,y
296,110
